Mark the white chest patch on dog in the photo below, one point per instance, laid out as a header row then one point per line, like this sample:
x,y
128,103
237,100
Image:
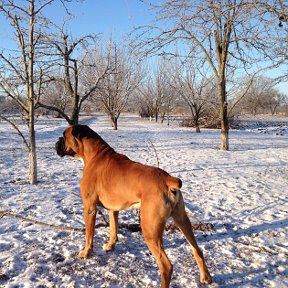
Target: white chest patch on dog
x,y
81,159
135,205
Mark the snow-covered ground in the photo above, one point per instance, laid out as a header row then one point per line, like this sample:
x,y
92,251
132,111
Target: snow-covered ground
x,y
277,125
242,192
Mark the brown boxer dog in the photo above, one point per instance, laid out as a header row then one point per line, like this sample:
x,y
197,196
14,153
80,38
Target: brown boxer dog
x,y
115,182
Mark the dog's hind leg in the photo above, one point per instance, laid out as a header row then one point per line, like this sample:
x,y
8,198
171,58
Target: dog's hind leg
x,y
90,212
153,222
181,219
113,224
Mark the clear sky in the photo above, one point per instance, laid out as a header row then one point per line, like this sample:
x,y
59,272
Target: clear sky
x,y
98,17
103,16
90,17
112,16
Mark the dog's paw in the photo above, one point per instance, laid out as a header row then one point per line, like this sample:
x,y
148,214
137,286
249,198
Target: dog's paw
x,y
108,246
206,279
85,253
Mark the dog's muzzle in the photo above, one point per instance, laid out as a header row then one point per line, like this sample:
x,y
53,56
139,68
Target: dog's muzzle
x,y
60,147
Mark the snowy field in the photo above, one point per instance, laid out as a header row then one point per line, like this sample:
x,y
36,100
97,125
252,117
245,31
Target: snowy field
x,y
242,192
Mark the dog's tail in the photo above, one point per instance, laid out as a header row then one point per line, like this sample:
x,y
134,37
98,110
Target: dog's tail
x,y
174,185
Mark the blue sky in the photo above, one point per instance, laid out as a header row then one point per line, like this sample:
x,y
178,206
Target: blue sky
x,y
103,16
90,17
98,17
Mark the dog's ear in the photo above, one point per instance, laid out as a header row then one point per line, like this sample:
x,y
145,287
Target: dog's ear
x,y
81,131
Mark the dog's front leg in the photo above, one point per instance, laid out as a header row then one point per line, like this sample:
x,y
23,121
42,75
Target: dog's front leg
x,y
90,212
113,224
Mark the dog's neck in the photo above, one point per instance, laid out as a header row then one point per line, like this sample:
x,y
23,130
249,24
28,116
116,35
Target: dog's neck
x,y
95,147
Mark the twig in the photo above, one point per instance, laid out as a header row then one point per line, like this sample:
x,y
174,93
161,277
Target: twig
x,y
155,152
57,227
198,226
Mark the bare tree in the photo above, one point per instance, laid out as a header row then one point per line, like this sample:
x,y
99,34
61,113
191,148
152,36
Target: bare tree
x,y
225,34
145,98
277,7
261,96
194,88
169,104
284,106
155,94
70,59
276,101
270,13
165,95
55,95
22,74
116,88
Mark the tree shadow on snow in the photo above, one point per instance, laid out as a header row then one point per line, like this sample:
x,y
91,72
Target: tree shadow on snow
x,y
249,278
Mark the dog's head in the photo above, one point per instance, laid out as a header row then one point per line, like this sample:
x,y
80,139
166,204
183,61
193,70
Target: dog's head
x,y
71,144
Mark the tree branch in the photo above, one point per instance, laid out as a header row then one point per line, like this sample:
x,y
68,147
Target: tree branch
x,y
18,131
37,222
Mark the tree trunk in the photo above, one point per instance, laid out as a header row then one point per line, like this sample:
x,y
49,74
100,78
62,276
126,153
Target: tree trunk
x,y
195,117
32,156
156,115
196,123
74,120
32,138
114,122
31,97
168,119
75,97
224,115
273,109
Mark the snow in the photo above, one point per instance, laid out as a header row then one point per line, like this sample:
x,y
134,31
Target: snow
x,y
242,192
